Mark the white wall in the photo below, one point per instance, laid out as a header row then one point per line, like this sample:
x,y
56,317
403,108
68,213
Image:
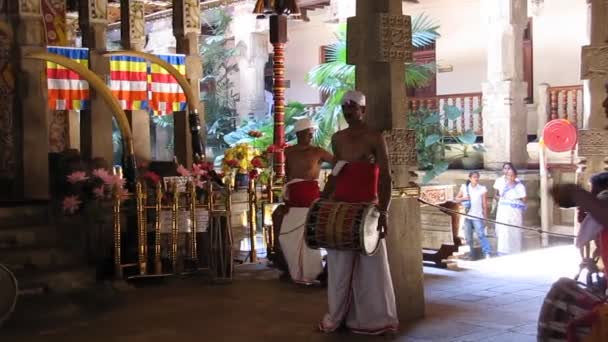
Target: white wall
x,y
559,32
462,44
302,54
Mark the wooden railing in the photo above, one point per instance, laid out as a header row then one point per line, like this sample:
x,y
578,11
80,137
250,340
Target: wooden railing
x,y
566,102
469,103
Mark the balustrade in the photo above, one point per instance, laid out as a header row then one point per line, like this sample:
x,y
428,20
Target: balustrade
x,y
469,103
566,102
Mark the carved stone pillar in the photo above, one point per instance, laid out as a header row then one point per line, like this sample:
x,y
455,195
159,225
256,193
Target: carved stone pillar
x,y
379,43
504,110
253,50
32,101
593,139
96,122
133,37
187,29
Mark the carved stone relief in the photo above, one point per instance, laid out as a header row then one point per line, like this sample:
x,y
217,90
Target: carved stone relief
x,y
593,142
98,11
7,92
192,16
594,62
401,146
29,7
137,23
395,38
58,130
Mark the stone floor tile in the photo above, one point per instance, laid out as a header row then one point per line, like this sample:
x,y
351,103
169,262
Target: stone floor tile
x,y
437,330
510,337
468,298
526,329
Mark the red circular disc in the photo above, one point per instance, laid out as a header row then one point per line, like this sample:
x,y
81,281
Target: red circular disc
x,y
560,135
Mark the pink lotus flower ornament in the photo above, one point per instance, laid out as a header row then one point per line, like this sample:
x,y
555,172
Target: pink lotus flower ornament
x,y
77,176
183,171
71,204
99,192
102,174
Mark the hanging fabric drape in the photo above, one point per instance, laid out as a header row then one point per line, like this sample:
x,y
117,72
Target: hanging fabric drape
x,y
166,96
66,89
129,81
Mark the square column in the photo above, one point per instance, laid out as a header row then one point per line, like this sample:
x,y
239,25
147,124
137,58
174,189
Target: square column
x,y
379,44
187,29
133,37
96,122
504,110
32,101
592,148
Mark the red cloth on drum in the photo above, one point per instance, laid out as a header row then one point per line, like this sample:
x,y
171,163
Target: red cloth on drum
x,y
357,182
302,194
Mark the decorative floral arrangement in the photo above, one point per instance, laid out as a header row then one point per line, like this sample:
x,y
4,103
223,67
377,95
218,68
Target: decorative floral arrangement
x,y
199,173
239,158
259,168
87,190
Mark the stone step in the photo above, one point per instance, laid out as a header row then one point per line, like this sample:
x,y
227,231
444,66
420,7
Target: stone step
x,y
27,236
56,280
37,258
11,216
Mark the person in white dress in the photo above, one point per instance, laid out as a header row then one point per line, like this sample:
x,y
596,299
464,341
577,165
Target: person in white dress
x,y
499,183
511,207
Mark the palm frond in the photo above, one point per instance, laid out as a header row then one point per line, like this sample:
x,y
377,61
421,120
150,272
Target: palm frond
x,y
424,30
418,75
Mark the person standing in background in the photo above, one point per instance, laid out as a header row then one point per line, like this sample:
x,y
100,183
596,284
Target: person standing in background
x,y
473,196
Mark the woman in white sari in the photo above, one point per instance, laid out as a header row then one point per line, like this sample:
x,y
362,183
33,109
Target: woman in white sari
x,y
511,207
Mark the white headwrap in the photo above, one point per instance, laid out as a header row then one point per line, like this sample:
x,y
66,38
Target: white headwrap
x,y
354,96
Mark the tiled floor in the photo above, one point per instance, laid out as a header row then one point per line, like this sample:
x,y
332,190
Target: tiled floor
x,y
491,300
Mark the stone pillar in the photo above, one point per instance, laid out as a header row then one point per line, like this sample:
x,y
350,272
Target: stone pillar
x,y
379,43
96,123
543,109
504,110
32,100
252,60
253,55
592,147
133,37
187,29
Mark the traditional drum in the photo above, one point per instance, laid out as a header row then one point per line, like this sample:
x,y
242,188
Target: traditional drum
x,y
8,293
343,226
569,312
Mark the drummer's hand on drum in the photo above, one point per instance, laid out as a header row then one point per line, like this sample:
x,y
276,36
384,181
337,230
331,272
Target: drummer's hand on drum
x,y
383,224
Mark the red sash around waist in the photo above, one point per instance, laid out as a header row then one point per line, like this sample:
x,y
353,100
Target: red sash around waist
x,y
357,182
302,194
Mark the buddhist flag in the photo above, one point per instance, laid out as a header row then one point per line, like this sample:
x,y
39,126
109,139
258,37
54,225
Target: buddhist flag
x,y
129,81
67,90
166,94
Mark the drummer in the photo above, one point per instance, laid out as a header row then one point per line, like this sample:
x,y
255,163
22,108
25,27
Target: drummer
x,y
360,288
303,167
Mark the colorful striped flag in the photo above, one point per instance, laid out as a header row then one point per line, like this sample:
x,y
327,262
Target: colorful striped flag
x,y
67,90
129,81
165,93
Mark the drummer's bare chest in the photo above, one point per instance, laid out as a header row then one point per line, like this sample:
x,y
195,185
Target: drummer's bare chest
x,y
353,147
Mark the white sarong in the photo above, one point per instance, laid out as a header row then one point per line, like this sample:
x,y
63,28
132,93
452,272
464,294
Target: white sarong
x,y
305,264
360,291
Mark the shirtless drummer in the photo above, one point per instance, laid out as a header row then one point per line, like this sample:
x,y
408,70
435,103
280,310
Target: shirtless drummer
x,y
303,167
